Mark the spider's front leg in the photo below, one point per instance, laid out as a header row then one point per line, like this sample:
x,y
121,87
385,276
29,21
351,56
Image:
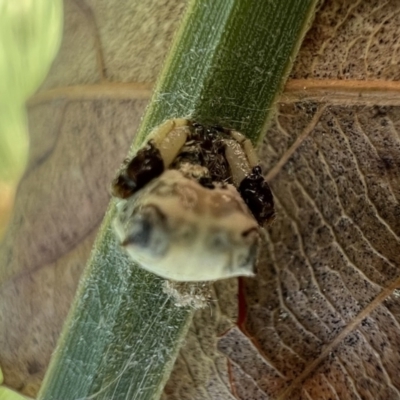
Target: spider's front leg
x,y
248,179
160,150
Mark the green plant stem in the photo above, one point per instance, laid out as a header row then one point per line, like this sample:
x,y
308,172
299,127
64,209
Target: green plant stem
x,y
227,65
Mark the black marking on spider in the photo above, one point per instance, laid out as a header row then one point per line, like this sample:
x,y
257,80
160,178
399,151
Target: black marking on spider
x,y
193,201
137,172
205,146
257,195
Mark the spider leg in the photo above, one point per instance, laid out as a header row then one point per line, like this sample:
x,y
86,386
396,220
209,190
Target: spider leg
x,y
247,147
237,160
248,179
169,138
240,155
162,147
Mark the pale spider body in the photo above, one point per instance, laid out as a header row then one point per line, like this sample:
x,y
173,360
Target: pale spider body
x,y
193,201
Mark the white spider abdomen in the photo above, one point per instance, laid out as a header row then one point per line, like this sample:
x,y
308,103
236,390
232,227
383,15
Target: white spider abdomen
x,y
178,229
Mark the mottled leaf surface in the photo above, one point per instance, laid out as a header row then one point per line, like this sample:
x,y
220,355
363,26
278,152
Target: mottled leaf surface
x,y
322,319
82,123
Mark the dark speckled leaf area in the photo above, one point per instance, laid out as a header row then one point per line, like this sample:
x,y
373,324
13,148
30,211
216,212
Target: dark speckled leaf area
x,y
226,66
322,318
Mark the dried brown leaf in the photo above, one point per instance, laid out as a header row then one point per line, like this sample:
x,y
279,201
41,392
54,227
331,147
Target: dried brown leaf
x,y
322,319
82,123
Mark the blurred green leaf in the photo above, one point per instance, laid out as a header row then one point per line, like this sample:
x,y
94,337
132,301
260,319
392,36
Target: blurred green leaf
x,y
30,33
